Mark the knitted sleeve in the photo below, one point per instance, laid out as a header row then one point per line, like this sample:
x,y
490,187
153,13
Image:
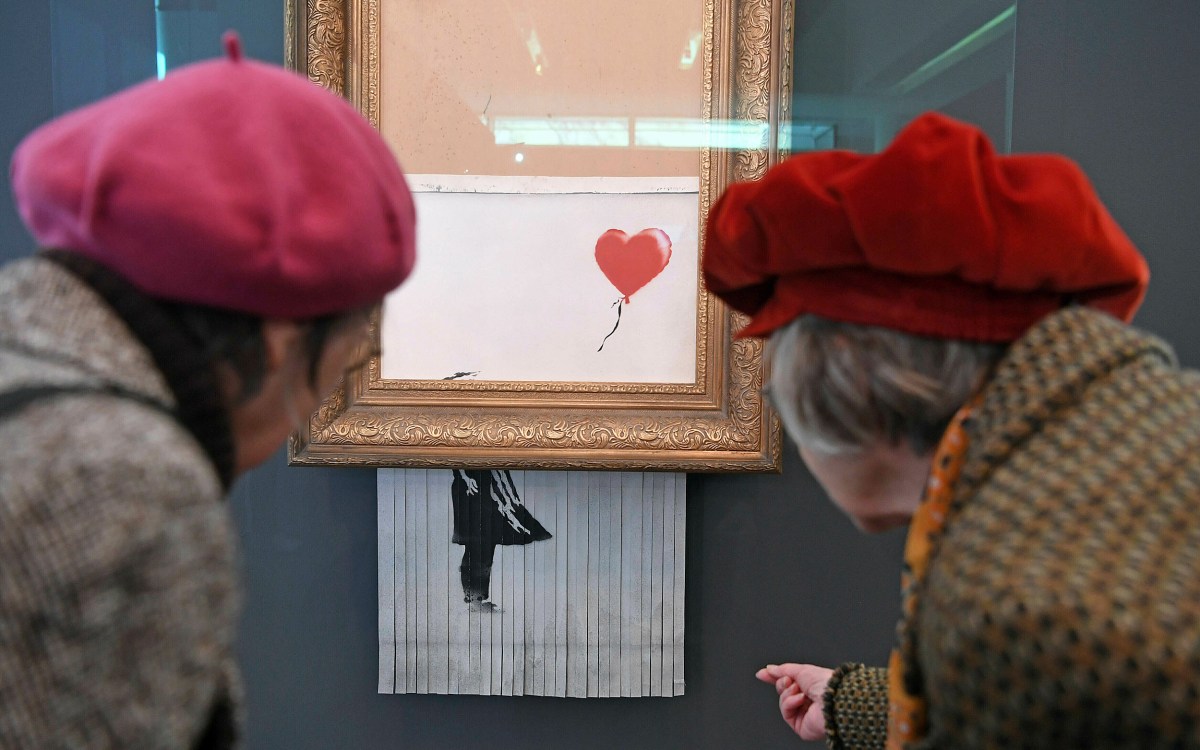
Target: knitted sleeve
x,y
856,708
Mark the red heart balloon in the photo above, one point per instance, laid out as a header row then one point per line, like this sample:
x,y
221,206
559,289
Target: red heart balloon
x,y
630,263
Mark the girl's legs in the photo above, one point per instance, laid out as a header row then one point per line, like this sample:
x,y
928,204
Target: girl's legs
x,y
476,570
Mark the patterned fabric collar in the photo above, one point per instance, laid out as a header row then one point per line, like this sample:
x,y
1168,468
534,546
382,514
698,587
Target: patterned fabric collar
x,y
906,707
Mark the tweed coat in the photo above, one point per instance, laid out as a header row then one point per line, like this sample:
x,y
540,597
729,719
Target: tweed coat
x,y
1062,604
118,593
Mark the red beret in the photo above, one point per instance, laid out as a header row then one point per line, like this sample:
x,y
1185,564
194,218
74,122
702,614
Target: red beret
x,y
937,236
229,183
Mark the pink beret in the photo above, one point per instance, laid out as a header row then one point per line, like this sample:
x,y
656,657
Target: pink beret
x,y
229,183
937,235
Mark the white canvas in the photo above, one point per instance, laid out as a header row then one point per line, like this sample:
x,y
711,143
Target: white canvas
x,y
507,286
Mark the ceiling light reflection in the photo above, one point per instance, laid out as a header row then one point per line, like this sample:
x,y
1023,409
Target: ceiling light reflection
x,y
655,132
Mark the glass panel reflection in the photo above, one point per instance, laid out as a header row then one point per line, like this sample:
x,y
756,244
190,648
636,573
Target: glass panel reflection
x,y
863,69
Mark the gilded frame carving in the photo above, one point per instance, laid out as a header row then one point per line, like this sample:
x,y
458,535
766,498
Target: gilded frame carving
x,y
719,423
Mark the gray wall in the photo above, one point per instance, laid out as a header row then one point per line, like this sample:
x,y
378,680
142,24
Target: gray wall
x,y
773,571
27,95
1112,83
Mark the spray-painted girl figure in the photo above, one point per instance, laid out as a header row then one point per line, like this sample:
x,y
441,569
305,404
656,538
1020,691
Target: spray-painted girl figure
x,y
487,512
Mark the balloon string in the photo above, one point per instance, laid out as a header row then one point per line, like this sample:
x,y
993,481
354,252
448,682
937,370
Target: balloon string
x,y
617,305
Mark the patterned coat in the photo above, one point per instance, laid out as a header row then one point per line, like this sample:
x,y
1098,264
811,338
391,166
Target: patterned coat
x,y
1062,606
118,593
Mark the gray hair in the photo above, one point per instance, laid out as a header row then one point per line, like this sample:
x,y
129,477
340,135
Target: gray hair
x,y
839,387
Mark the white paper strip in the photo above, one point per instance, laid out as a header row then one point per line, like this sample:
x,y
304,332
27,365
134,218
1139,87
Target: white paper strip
x,y
595,610
387,581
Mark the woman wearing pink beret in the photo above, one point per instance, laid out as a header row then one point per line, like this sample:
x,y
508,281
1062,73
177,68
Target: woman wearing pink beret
x,y
211,246
950,350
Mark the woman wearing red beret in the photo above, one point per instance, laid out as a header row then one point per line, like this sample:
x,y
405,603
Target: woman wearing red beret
x,y
213,242
949,349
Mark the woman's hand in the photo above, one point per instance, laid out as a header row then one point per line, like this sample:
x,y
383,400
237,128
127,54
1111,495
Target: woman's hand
x,y
801,689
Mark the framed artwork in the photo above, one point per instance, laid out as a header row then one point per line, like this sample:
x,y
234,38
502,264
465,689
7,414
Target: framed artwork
x,y
563,157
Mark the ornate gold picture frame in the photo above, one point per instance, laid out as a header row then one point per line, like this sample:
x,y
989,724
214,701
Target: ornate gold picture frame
x,y
717,422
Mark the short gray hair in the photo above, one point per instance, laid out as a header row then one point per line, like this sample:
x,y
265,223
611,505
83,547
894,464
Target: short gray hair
x,y
839,387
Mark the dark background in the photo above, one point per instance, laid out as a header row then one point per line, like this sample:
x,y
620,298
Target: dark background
x,y
774,572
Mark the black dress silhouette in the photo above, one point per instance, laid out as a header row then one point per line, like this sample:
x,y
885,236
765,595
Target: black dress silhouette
x,y
488,512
